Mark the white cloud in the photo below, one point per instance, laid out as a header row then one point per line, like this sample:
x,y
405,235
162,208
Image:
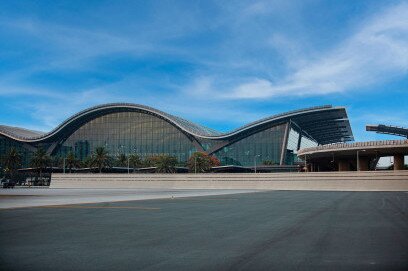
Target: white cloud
x,y
71,47
377,51
13,90
242,52
50,112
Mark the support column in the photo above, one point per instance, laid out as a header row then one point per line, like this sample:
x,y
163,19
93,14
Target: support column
x,y
284,144
344,165
363,163
398,162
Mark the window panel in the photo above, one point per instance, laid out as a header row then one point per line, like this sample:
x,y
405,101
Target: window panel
x,y
128,132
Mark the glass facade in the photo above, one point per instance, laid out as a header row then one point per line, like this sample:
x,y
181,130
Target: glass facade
x,y
293,140
267,144
127,133
293,145
207,144
146,132
307,142
6,144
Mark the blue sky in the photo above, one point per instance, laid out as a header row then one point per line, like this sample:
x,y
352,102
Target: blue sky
x,y
218,63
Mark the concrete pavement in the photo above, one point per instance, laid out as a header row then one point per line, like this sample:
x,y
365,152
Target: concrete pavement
x,y
278,230
29,197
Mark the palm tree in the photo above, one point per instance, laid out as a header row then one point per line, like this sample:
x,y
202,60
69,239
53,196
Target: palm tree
x,y
149,161
40,160
71,161
87,162
122,160
12,161
165,163
100,158
134,161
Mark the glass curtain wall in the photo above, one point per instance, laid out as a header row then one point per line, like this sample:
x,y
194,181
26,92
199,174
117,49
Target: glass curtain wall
x,y
307,142
293,145
6,144
262,146
127,133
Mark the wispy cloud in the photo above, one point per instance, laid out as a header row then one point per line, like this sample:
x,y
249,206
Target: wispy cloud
x,y
46,113
73,47
376,52
13,90
213,62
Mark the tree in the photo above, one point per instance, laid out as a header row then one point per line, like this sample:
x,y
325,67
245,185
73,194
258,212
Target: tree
x,y
165,163
214,161
202,162
71,161
12,162
134,161
100,158
87,162
40,160
122,160
149,161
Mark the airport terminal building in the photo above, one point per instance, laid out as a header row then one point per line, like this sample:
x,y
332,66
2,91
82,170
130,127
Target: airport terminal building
x,y
123,128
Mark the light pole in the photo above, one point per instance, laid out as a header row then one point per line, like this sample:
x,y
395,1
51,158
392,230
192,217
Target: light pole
x,y
128,158
255,161
134,153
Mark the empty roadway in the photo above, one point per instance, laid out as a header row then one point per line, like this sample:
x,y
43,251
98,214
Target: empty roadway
x,y
276,230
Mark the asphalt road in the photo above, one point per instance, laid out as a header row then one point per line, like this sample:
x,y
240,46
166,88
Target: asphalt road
x,y
279,230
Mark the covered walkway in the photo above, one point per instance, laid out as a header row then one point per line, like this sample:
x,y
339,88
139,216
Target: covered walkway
x,y
360,156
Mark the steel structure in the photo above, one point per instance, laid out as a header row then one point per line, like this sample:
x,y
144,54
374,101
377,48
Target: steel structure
x,y
129,128
354,156
388,129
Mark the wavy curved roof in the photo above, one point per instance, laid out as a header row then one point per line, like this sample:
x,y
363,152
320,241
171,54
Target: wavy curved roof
x,y
19,132
388,129
326,124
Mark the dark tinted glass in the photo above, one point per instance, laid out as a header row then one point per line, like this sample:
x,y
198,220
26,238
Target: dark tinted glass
x,y
5,146
267,144
128,132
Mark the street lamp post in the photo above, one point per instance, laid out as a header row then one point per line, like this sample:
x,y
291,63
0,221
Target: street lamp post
x,y
255,161
128,158
135,153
